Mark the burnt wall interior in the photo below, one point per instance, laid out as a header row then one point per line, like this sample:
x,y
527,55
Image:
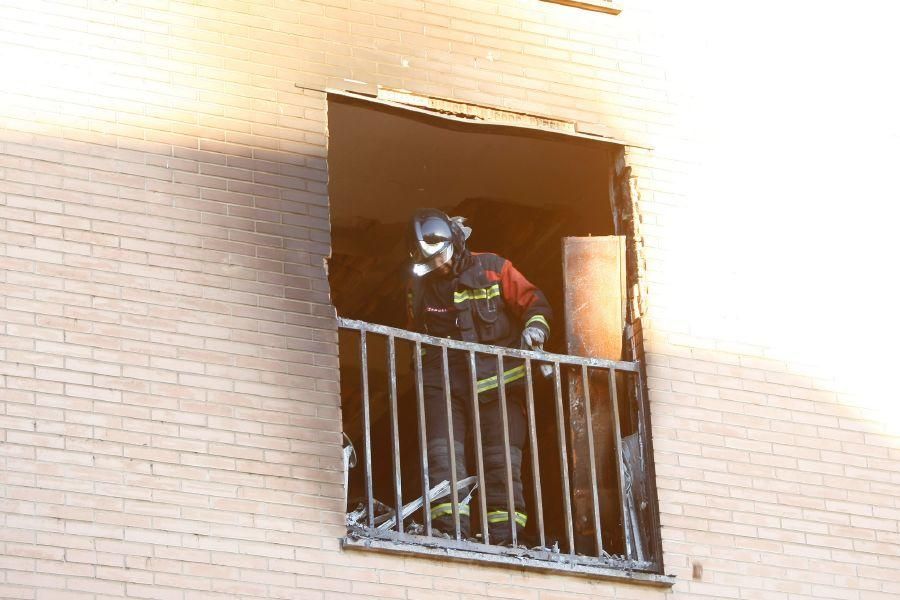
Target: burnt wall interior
x,y
521,191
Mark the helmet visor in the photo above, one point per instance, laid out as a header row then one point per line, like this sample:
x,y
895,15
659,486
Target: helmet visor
x,y
431,245
423,266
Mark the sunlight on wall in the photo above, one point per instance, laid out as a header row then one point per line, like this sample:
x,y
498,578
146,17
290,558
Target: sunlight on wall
x,y
42,90
783,235
78,70
48,74
786,238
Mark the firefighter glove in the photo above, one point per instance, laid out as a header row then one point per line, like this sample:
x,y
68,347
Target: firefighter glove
x,y
533,337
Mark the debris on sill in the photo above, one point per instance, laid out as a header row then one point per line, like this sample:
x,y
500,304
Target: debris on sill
x,y
385,516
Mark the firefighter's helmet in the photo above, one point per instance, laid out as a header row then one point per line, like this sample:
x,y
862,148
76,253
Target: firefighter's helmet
x,y
434,239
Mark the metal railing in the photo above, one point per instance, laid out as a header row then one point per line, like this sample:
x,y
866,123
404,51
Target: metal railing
x,y
374,521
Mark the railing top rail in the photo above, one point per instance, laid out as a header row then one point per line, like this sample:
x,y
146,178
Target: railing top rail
x,y
459,345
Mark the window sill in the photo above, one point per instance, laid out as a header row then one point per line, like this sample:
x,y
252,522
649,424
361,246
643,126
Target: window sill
x,y
392,542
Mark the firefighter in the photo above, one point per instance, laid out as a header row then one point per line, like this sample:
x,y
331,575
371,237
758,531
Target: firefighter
x,y
473,297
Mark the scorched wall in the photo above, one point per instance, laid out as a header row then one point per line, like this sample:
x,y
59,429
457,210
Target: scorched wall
x,y
170,423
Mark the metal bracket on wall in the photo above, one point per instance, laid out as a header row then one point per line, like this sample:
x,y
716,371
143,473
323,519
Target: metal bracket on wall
x,y
606,6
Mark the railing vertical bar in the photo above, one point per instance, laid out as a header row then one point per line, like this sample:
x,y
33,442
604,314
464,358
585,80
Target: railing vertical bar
x,y
563,457
395,429
454,493
479,450
367,426
620,465
592,459
511,503
423,439
535,461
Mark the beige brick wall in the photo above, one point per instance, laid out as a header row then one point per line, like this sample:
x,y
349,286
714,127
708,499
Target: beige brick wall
x,y
170,424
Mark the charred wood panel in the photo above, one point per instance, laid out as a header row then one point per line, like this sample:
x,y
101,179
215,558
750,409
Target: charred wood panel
x,y
594,276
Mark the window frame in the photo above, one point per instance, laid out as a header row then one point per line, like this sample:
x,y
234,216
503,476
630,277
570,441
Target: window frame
x,y
625,222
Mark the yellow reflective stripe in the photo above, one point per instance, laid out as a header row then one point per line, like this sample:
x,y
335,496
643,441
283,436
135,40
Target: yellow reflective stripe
x,y
509,376
501,516
478,294
446,508
538,319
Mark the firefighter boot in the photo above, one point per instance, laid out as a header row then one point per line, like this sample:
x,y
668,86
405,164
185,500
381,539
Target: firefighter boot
x,y
439,470
500,530
499,526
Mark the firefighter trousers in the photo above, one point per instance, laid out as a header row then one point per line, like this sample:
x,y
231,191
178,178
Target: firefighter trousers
x,y
437,423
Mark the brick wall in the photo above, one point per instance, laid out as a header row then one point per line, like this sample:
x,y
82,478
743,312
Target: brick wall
x,y
170,423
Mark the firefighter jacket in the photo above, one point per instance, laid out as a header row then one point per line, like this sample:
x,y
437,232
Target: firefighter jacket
x,y
493,303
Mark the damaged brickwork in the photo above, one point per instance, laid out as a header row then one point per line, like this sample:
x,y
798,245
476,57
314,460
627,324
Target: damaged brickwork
x,y
625,199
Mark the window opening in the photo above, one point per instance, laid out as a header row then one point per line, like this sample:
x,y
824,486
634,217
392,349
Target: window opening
x,y
522,192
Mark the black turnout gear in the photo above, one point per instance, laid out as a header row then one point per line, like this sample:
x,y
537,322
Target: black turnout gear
x,y
482,298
